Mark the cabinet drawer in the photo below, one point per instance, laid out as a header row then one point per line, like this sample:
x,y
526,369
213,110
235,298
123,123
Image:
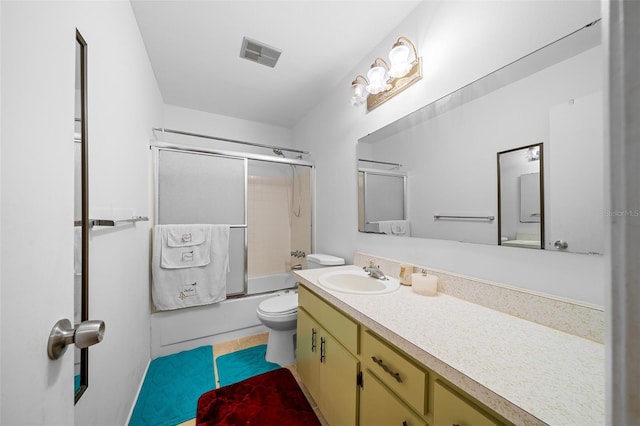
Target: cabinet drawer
x,y
309,301
378,406
449,408
402,376
344,329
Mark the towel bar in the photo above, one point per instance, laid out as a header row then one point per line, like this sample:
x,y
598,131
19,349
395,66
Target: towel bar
x,y
110,222
444,216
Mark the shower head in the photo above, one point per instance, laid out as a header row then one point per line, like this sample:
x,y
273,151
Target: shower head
x,y
277,151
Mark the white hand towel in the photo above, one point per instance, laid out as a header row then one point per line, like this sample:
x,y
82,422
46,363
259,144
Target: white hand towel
x,y
174,288
185,246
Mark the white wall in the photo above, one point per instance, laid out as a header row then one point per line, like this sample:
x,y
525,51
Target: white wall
x,y
38,51
193,121
459,42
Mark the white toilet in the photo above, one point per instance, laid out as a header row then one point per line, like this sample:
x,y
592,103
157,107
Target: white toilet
x,y
280,315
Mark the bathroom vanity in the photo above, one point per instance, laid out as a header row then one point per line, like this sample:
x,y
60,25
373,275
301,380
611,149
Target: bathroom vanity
x,y
406,359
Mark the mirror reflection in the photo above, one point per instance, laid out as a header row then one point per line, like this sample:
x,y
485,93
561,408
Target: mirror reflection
x,y
520,199
447,153
81,215
382,202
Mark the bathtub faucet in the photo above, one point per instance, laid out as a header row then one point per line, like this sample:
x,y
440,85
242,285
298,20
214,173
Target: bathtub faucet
x,y
297,267
298,253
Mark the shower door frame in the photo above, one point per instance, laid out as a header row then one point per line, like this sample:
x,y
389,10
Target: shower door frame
x,y
156,147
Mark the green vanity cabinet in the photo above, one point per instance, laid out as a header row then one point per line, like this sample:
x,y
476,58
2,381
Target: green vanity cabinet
x,y
358,378
327,368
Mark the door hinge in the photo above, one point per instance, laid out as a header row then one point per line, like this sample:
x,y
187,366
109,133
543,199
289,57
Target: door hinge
x,y
359,380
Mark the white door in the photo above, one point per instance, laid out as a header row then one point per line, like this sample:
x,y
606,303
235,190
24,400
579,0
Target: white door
x,y
36,202
576,194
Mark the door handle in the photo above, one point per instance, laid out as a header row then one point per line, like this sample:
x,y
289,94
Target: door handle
x,y
561,245
85,334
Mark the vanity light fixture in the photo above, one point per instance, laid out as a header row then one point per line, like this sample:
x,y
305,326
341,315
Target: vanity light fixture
x,y
533,153
385,80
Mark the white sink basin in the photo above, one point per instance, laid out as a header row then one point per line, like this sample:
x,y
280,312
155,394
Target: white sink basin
x,y
357,282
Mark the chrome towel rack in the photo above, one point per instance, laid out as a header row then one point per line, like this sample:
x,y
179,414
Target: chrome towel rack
x,y
111,222
445,216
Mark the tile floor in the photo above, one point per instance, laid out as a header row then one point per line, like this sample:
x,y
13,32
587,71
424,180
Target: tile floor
x,y
247,342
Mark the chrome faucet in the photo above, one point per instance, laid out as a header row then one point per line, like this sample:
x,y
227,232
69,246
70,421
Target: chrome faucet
x,y
374,272
297,267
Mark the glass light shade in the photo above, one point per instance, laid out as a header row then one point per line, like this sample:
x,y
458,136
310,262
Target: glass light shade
x,y
377,80
358,94
400,63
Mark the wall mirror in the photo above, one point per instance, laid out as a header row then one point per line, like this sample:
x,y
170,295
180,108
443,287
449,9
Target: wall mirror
x,y
520,197
447,152
81,214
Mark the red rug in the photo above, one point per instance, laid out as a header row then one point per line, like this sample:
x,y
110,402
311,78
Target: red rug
x,y
272,398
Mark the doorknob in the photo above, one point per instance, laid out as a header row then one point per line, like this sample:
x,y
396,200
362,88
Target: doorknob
x,y
560,244
85,334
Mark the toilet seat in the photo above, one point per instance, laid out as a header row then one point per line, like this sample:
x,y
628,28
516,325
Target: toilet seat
x,y
279,305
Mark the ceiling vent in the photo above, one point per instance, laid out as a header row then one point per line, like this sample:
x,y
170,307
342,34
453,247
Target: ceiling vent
x,y
259,52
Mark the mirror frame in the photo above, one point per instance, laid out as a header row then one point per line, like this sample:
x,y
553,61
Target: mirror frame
x,y
541,174
84,171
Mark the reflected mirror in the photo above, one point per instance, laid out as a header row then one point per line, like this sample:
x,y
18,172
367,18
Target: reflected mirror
x,y
446,152
381,202
81,214
520,197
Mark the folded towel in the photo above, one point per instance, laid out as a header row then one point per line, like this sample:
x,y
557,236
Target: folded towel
x,y
185,246
77,250
184,286
395,227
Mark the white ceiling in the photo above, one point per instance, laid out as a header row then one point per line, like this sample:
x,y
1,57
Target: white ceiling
x,y
194,48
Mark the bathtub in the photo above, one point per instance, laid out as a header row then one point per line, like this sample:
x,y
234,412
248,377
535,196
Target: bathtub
x,y
269,283
184,329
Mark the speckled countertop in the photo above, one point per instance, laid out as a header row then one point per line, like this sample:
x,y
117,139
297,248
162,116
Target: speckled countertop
x,y
528,373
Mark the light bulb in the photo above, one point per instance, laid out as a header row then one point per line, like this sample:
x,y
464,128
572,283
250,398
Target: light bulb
x,y
377,77
399,58
358,94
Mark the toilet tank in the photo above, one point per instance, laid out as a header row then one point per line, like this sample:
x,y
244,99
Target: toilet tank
x,y
319,260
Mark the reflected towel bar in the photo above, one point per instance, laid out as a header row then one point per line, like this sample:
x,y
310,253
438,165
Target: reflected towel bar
x,y
109,222
444,216
386,163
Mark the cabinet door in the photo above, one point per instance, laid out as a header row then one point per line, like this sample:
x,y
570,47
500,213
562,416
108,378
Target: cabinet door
x,y
338,387
308,353
452,409
378,406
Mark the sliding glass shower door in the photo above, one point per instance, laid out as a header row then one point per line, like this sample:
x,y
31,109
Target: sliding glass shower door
x,y
206,188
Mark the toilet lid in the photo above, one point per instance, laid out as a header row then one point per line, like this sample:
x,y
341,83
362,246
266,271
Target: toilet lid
x,y
285,304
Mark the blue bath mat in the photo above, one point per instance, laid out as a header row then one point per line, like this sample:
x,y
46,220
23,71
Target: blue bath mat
x,y
237,366
172,386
